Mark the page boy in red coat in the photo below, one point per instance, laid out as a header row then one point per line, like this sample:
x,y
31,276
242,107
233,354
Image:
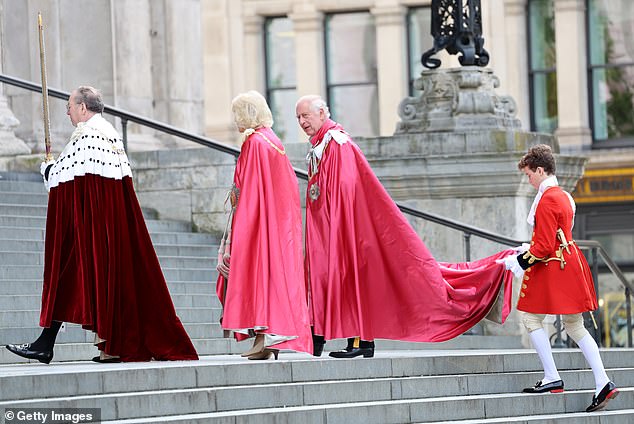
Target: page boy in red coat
x,y
556,278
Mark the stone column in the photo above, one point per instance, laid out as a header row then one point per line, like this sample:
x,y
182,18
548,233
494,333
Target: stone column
x,y
132,68
308,24
223,60
20,58
572,83
10,145
178,66
392,64
495,37
254,51
516,81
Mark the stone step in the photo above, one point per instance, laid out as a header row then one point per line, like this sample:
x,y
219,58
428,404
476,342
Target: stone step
x,y
15,232
34,287
73,333
21,258
12,232
31,317
17,186
33,301
176,238
34,222
209,251
23,210
21,272
389,388
260,396
619,416
34,272
20,198
39,221
37,258
411,411
20,287
295,368
192,250
21,245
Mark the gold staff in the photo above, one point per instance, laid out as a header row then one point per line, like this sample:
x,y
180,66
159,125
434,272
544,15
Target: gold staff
x,y
47,129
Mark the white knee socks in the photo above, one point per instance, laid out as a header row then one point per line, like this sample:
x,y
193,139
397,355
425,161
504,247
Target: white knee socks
x,y
542,345
591,352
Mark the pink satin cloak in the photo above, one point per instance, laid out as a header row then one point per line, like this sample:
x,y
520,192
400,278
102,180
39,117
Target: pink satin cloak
x,y
266,279
370,275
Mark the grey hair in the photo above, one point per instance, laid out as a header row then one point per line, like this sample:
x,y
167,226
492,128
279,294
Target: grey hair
x,y
316,103
91,97
250,110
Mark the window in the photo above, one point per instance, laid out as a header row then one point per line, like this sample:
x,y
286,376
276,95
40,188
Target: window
x,y
279,49
419,40
351,72
611,70
542,72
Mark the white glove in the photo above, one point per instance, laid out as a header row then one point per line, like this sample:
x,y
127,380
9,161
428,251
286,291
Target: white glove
x,y
510,263
43,167
521,249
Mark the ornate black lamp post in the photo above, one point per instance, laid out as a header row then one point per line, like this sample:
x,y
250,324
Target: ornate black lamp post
x,y
456,26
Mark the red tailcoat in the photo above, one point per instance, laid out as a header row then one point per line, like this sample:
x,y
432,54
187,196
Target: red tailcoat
x,y
546,288
266,279
369,273
100,267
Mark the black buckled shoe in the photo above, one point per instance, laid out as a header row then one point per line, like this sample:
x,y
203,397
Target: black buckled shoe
x,y
367,352
25,351
609,391
552,387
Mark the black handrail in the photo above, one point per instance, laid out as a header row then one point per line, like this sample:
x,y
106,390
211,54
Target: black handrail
x,y
467,230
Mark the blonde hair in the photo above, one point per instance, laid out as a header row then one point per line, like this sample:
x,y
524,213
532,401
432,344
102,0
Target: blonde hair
x,y
250,110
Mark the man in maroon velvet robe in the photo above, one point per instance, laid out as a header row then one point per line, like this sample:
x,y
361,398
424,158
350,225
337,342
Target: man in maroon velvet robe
x,y
100,269
369,274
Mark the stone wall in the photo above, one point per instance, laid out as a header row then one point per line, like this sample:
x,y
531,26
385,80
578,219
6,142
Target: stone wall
x,y
186,185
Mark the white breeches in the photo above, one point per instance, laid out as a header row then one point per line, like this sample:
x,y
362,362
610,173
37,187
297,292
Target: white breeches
x,y
573,324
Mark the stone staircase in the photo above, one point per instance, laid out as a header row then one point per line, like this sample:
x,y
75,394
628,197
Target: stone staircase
x,y
468,386
405,382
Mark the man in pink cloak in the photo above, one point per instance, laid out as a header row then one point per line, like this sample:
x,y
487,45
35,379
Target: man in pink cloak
x,y
369,274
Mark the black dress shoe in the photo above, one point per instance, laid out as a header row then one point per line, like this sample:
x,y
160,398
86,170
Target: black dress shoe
x,y
25,351
367,352
98,359
609,391
552,387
